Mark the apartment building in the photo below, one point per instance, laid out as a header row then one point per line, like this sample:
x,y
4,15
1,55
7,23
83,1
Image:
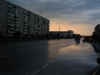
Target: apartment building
x,y
3,17
14,19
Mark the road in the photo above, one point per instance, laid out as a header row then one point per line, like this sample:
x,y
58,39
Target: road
x,y
47,57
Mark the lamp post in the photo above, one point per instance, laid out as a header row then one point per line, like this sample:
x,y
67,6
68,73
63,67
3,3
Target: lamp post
x,y
41,12
59,30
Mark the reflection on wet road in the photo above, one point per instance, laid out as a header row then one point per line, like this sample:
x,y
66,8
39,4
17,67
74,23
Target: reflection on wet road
x,y
26,58
47,57
78,59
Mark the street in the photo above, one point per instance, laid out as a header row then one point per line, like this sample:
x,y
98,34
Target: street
x,y
47,57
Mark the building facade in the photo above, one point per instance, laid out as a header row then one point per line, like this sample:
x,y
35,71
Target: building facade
x,y
3,17
14,19
70,33
61,33
96,33
97,28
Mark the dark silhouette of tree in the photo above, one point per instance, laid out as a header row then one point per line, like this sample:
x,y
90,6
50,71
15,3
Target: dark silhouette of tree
x,y
95,36
74,35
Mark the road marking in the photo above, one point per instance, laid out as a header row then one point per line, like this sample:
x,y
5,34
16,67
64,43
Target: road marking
x,y
45,66
35,72
39,70
94,73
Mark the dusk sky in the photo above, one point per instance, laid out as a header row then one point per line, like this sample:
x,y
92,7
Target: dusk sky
x,y
81,16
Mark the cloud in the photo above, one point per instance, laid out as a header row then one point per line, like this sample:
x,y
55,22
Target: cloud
x,y
72,11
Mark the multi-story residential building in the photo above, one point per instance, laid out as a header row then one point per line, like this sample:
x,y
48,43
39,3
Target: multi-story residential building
x,y
14,18
3,17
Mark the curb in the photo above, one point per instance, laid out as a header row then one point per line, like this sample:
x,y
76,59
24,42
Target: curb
x,y
96,46
95,71
98,67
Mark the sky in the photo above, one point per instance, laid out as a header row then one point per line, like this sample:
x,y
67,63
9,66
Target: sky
x,y
81,16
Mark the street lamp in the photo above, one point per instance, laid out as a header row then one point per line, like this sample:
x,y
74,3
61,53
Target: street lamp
x,y
59,30
59,26
41,12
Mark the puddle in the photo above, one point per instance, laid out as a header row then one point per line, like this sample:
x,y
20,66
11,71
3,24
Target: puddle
x,y
82,54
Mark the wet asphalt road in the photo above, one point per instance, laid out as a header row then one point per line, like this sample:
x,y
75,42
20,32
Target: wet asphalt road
x,y
79,59
48,57
24,58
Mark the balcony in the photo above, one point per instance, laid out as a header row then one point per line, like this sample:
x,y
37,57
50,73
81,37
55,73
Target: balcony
x,y
12,18
9,20
26,23
9,6
29,25
16,22
26,12
9,17
29,30
11,35
8,24
11,32
9,10
16,29
12,24
8,13
25,27
25,33
12,28
25,18
25,30
16,15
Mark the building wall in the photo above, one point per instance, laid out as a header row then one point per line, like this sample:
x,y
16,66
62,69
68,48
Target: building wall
x,y
3,16
62,33
14,18
32,23
20,19
70,33
97,28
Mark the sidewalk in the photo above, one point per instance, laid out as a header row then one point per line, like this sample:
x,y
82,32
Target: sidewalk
x,y
97,70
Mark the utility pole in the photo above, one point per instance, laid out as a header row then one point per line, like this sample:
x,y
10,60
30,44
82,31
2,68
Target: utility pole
x,y
59,31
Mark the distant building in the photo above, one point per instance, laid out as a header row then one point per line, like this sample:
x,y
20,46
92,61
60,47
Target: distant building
x,y
70,33
14,18
61,33
97,28
96,33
